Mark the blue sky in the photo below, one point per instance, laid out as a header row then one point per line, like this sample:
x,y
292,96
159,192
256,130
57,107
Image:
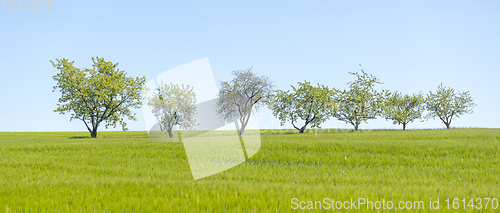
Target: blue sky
x,y
410,46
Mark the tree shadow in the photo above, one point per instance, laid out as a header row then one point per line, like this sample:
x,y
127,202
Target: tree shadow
x,y
79,137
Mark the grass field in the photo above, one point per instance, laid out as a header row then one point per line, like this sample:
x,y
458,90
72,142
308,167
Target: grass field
x,y
127,171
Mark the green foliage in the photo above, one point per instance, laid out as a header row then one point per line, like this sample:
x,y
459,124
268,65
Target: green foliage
x,y
100,94
403,109
447,104
128,172
361,102
310,104
174,105
244,92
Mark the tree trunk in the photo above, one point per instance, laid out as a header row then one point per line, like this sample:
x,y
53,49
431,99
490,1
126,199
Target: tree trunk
x,y
93,134
170,133
244,123
404,126
356,127
301,130
242,129
446,122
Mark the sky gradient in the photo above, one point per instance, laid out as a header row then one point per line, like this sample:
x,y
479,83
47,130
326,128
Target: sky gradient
x,y
410,46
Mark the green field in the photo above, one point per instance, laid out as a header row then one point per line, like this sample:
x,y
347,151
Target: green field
x,y
127,171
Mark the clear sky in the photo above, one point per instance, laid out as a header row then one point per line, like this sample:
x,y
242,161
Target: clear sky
x,y
411,46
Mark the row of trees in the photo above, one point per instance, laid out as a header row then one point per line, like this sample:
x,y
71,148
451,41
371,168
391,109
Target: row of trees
x,y
312,105
105,94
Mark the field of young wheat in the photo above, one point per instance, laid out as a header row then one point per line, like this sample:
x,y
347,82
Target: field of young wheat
x,y
127,171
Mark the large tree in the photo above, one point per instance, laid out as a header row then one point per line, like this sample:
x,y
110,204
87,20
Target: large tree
x,y
361,102
244,92
310,104
447,104
403,109
102,93
174,105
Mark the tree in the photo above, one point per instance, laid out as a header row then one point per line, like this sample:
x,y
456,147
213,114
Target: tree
x,y
403,109
244,92
313,105
447,104
174,105
100,94
361,102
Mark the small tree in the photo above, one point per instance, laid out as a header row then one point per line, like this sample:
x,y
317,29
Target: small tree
x,y
101,94
174,105
447,104
238,96
403,109
361,102
313,105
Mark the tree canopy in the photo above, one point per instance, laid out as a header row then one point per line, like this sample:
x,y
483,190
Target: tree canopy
x,y
361,102
244,92
310,104
403,109
102,93
174,105
447,104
